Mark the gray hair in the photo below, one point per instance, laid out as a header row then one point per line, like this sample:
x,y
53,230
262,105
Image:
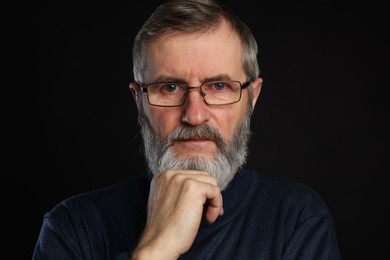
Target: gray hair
x,y
192,16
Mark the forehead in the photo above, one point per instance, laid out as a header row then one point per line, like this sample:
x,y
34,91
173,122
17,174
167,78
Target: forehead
x,y
196,55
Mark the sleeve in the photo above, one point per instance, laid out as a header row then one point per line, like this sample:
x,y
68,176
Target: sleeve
x,y
314,238
55,242
314,234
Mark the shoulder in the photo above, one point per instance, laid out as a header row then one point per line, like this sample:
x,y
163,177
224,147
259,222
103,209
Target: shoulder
x,y
130,192
289,195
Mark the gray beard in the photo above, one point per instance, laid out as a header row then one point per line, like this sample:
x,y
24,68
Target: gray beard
x,y
228,159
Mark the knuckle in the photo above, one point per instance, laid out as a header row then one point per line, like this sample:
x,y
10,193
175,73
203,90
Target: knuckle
x,y
216,189
190,185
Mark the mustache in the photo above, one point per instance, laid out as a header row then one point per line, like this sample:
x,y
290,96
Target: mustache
x,y
195,132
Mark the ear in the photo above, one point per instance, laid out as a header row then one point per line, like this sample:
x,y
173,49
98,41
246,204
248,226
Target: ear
x,y
256,86
135,90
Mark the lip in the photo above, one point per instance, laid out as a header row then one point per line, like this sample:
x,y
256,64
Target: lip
x,y
194,140
195,145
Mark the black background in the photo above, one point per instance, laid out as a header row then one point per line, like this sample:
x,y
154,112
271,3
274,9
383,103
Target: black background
x,y
321,118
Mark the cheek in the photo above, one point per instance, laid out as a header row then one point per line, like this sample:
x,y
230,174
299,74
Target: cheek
x,y
228,121
163,122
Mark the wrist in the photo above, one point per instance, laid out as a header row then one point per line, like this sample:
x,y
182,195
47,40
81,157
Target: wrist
x,y
151,252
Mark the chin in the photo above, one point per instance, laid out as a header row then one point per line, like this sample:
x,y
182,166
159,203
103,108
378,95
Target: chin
x,y
196,155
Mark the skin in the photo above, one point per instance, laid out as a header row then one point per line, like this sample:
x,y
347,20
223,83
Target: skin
x,y
177,197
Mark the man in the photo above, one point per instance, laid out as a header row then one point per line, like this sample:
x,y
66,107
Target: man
x,y
196,85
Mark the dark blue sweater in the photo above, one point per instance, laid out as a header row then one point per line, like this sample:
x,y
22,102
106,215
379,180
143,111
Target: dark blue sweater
x,y
265,218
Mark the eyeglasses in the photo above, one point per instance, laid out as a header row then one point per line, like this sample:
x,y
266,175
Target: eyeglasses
x,y
215,93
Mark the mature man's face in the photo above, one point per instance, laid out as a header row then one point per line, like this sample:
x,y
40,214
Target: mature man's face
x,y
161,156
195,135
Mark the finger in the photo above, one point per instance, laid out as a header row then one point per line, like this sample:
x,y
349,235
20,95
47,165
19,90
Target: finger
x,y
182,175
194,172
214,207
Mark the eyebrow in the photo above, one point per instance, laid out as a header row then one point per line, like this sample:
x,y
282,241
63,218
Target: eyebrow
x,y
164,78
219,77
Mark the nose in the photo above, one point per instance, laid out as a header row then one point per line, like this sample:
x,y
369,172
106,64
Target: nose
x,y
196,111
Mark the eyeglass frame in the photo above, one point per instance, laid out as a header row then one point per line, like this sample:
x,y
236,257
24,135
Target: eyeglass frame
x,y
144,88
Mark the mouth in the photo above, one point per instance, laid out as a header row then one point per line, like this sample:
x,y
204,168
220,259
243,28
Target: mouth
x,y
194,139
195,145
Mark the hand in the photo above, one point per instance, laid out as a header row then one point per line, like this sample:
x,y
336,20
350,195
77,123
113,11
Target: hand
x,y
175,208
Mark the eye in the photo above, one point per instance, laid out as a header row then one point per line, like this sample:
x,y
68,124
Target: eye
x,y
219,85
170,87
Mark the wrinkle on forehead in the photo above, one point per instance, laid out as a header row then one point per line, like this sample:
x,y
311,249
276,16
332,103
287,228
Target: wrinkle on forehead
x,y
201,55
